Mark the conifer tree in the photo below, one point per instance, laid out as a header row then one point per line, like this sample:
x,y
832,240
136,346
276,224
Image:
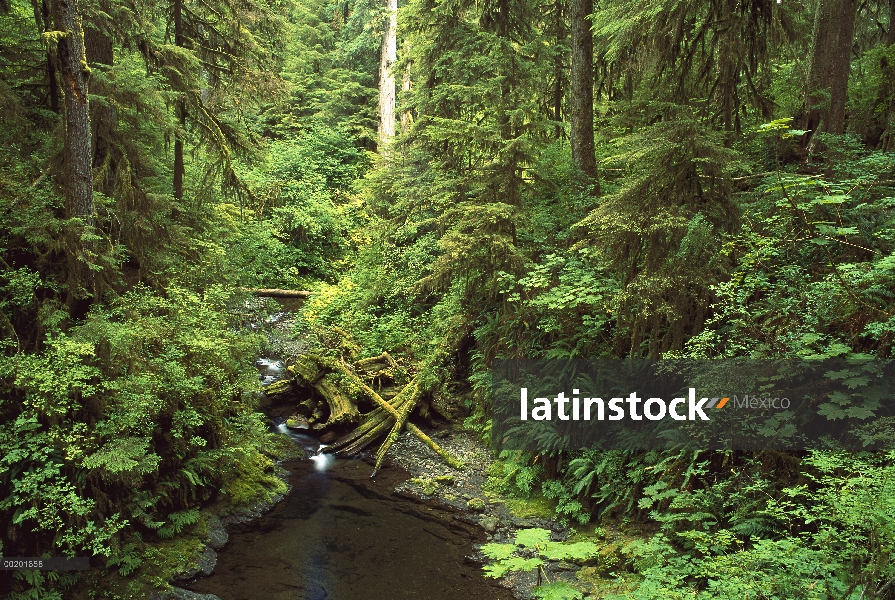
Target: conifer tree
x,y
221,55
830,62
388,56
581,99
71,60
71,64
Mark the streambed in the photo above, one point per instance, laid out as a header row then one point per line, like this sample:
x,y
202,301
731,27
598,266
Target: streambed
x,y
338,535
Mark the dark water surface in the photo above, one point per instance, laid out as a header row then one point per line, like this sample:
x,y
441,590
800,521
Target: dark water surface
x,y
339,536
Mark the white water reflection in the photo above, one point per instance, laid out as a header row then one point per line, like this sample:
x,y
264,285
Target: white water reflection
x,y
322,461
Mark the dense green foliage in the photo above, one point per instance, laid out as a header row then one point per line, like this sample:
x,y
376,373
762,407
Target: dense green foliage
x,y
723,229
128,416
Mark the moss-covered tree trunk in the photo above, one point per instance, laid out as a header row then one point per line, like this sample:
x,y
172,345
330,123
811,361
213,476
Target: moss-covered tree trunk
x,y
72,66
71,61
887,90
100,51
842,65
559,63
179,167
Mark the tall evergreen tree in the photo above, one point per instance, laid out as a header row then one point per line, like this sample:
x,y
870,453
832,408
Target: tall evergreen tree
x,y
71,60
581,98
387,57
829,66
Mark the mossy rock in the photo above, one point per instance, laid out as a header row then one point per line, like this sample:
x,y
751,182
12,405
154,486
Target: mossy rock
x,y
445,479
609,558
429,485
476,503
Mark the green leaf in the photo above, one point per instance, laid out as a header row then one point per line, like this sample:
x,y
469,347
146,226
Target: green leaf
x,y
579,551
516,563
532,537
558,590
498,551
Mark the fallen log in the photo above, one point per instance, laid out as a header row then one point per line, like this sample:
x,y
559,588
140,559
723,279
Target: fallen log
x,y
307,369
276,293
384,358
400,422
341,409
446,456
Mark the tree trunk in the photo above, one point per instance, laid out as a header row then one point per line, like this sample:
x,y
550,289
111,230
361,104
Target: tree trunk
x,y
406,116
559,64
72,65
581,101
827,85
43,23
181,110
387,58
100,51
98,46
842,65
887,138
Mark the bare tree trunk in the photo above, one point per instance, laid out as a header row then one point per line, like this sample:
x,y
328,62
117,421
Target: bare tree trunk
x,y
179,167
842,65
827,85
72,65
887,138
387,58
581,101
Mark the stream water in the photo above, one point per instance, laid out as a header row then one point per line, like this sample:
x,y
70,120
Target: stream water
x,y
338,535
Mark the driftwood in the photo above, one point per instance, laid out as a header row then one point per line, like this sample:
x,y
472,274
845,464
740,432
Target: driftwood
x,y
275,293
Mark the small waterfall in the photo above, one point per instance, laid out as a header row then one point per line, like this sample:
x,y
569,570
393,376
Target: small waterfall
x,y
314,449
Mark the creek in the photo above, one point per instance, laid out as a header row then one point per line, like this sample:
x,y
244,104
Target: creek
x,y
339,535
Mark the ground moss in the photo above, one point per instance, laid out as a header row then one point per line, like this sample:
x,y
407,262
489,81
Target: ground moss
x,y
536,507
429,485
255,482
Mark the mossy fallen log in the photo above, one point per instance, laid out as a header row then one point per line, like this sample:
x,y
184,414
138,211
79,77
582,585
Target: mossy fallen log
x,y
277,293
412,392
393,412
277,388
306,369
341,408
383,359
